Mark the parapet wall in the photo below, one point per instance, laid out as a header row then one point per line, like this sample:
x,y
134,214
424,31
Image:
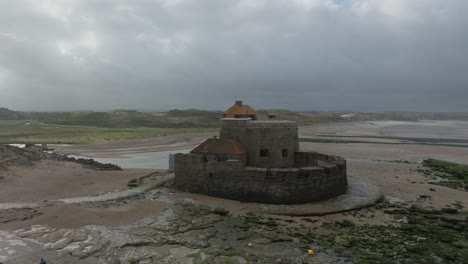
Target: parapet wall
x,y
304,159
317,178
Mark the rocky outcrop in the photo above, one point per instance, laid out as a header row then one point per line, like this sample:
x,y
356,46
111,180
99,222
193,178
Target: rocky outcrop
x,y
183,233
11,155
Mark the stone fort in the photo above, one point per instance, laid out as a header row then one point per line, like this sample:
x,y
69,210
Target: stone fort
x,y
259,161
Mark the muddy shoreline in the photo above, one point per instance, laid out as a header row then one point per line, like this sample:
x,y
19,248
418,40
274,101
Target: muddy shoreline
x,y
164,225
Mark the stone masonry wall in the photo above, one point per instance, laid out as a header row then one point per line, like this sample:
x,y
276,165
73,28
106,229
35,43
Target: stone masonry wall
x,y
276,138
231,179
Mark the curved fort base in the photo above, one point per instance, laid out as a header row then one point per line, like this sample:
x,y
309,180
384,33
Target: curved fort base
x,y
314,177
259,161
360,194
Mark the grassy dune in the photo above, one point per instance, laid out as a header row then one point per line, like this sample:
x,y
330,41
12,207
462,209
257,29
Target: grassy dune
x,y
35,132
89,127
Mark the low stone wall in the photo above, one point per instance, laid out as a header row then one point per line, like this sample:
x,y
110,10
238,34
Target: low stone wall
x,y
171,163
319,177
305,159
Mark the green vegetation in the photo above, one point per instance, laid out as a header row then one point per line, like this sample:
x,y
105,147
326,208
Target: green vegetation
x,y
422,236
35,132
415,235
89,127
400,161
453,175
195,112
189,118
120,118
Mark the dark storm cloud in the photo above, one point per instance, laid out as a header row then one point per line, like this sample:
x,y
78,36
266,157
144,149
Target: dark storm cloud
x,y
363,55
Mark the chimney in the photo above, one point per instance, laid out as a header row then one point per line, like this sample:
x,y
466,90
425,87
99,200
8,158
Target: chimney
x,y
239,103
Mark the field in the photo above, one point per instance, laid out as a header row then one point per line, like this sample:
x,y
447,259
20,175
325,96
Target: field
x,y
39,133
93,127
188,118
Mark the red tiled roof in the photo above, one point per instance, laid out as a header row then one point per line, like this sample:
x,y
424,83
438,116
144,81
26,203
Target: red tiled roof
x,y
243,110
220,146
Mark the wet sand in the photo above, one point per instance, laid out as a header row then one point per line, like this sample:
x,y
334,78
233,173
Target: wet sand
x,y
393,168
79,215
368,161
439,129
48,180
371,131
117,149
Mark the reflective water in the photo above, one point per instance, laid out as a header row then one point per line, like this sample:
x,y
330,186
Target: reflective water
x,y
149,160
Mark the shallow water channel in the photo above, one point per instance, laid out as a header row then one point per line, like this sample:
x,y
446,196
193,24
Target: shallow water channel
x,y
148,160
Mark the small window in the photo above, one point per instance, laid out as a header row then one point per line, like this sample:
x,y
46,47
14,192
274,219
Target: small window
x,y
284,152
264,153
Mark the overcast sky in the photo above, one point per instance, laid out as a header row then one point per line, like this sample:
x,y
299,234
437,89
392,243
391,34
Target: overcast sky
x,y
351,55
